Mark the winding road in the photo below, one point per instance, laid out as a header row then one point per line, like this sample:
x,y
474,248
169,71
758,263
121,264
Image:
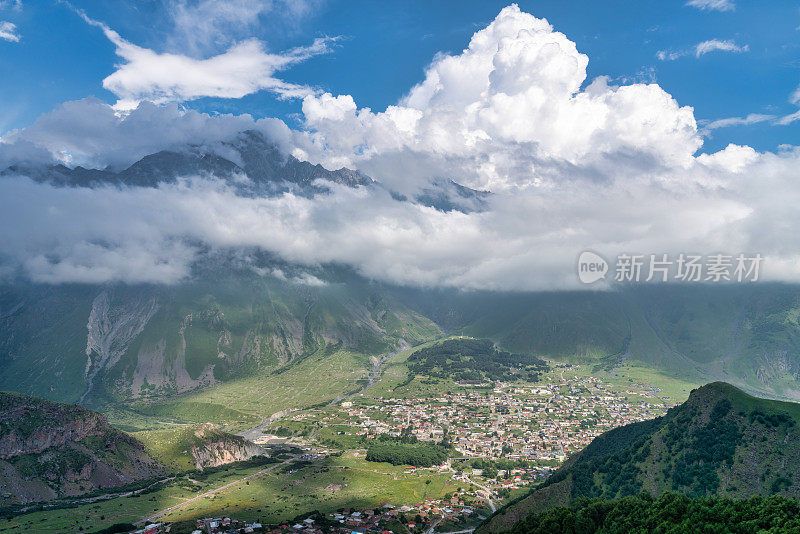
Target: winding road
x,y
486,490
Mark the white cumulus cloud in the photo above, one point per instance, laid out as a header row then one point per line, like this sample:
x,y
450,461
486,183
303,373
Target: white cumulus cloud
x,y
512,97
244,68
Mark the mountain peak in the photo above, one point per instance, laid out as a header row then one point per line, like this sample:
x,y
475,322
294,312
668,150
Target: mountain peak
x,y
250,154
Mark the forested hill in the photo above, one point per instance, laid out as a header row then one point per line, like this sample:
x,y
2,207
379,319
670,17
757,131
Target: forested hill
x,y
672,512
474,359
747,335
720,442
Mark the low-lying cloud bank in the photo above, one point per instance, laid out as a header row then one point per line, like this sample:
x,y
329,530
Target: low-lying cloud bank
x,y
571,165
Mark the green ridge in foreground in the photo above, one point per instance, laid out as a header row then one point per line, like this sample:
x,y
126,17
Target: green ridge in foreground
x,y
671,513
721,442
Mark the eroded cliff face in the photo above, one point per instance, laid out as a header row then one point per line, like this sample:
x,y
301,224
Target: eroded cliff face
x,y
217,339
215,448
111,329
91,344
50,450
158,371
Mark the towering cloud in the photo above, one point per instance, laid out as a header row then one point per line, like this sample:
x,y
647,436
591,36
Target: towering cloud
x,y
515,92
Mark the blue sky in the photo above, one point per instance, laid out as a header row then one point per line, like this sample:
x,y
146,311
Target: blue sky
x,y
384,47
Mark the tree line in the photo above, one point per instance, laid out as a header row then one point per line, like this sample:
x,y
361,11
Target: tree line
x,y
672,513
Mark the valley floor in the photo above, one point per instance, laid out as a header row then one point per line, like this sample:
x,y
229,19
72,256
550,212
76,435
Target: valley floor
x,y
507,437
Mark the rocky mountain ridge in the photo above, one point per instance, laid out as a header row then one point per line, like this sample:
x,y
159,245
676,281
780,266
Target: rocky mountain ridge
x,y
120,343
50,450
249,162
253,166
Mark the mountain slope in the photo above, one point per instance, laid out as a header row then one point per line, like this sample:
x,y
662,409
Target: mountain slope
x,y
748,335
93,344
83,343
50,450
720,442
672,512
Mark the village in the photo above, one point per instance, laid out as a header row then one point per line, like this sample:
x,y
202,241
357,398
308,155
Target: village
x,y
505,435
388,519
503,438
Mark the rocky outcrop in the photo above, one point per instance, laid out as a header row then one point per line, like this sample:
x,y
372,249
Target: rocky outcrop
x,y
772,366
39,439
50,450
214,447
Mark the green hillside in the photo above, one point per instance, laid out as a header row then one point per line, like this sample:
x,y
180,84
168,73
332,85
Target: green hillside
x,y
94,345
748,335
234,328
720,442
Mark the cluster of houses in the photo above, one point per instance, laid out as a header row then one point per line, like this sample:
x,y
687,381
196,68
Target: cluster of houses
x,y
224,525
418,516
534,423
346,521
540,424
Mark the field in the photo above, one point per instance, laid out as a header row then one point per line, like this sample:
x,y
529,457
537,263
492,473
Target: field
x,y
281,492
621,377
346,481
243,403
